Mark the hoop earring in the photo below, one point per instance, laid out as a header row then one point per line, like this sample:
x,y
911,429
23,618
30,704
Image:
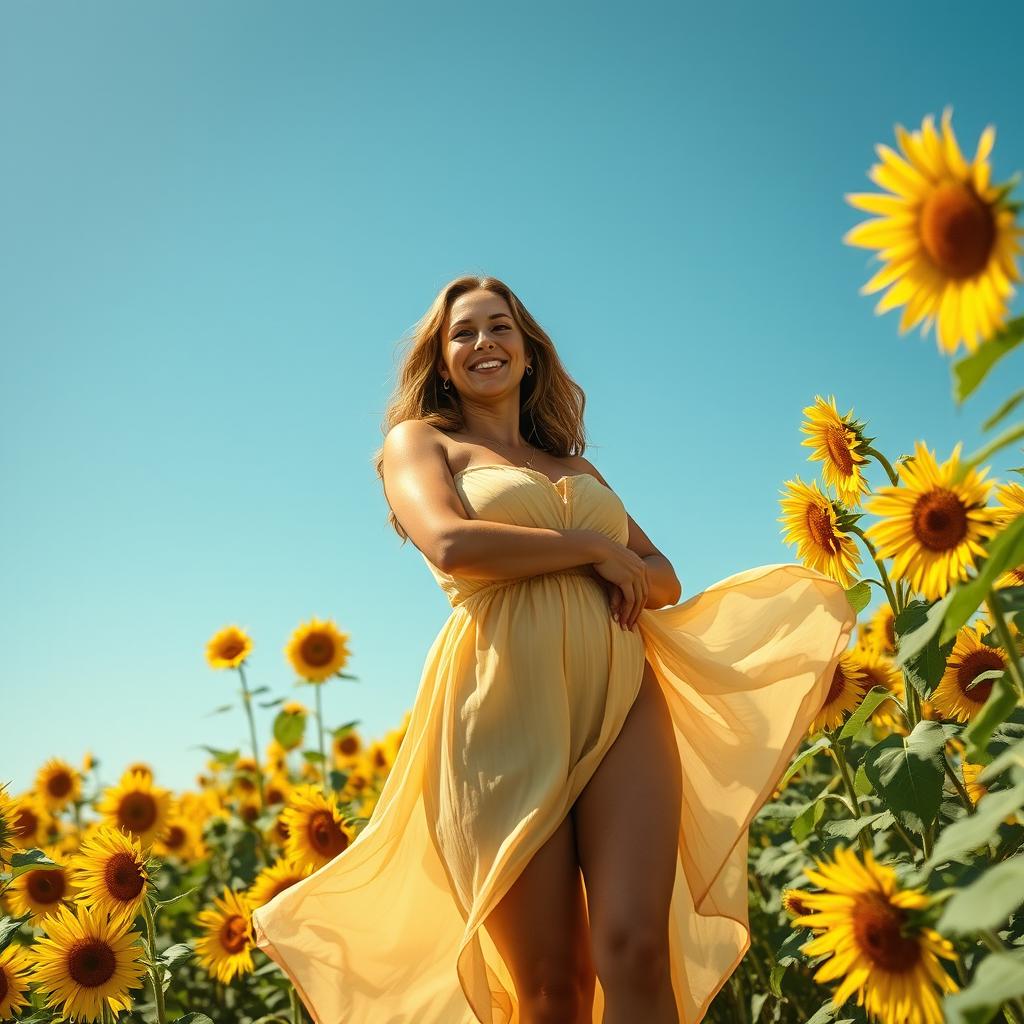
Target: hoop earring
x,y
529,369
446,383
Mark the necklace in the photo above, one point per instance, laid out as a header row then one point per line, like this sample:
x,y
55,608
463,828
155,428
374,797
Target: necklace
x,y
529,461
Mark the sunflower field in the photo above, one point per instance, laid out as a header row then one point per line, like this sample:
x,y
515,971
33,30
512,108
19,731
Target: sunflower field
x,y
887,868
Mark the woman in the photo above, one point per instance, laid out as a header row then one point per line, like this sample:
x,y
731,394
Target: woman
x,y
563,834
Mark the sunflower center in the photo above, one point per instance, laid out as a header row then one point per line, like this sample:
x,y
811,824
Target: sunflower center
x,y
957,230
317,649
91,963
839,449
4,987
275,795
26,823
250,812
137,812
285,883
876,926
175,837
122,877
46,886
59,784
231,648
1018,575
820,528
940,520
971,666
234,934
348,745
324,834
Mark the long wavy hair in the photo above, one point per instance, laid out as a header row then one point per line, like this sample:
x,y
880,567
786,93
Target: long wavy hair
x,y
551,403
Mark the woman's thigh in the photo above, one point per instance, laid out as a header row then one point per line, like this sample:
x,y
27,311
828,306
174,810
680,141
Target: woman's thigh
x,y
539,927
627,832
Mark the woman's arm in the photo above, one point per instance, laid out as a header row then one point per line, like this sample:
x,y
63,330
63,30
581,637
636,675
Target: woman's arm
x,y
664,586
422,494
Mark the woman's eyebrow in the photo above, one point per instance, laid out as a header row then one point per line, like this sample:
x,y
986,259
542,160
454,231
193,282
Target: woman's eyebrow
x,y
466,319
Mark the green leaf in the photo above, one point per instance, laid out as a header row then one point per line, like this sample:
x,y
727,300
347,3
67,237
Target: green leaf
x,y
921,654
861,783
220,710
875,696
987,902
1011,756
970,371
807,820
194,1018
973,830
289,729
31,860
8,928
228,757
342,729
1005,551
804,757
313,756
996,710
850,828
907,773
859,595
998,979
176,954
1004,410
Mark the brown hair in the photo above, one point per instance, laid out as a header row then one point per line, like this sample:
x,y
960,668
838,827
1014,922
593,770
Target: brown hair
x,y
551,403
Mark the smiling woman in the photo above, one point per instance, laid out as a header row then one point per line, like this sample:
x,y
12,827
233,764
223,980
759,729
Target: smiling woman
x,y
566,687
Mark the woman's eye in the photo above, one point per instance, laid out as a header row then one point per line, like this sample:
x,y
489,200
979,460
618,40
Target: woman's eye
x,y
466,329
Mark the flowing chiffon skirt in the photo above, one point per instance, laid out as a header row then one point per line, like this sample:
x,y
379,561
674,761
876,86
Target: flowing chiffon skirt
x,y
522,692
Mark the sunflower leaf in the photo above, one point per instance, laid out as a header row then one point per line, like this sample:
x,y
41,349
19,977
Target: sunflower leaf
x,y
8,928
987,450
176,954
907,773
194,1018
1004,410
999,978
875,696
921,654
31,860
859,595
1011,756
970,371
804,757
1000,705
289,729
1005,550
987,902
974,830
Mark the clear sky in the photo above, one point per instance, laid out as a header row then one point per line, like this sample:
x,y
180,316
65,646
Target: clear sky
x,y
218,221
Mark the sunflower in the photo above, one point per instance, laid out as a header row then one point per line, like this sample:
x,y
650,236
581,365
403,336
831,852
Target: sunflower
x,y
845,692
14,981
87,961
7,827
139,766
818,530
975,789
58,784
225,947
955,697
792,902
88,762
1010,505
30,821
112,873
276,757
137,805
881,630
43,891
879,953
277,789
281,875
228,648
946,235
346,747
317,650
838,442
932,527
880,670
182,839
243,781
316,834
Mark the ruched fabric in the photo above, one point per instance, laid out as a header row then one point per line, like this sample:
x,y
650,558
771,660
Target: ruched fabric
x,y
522,692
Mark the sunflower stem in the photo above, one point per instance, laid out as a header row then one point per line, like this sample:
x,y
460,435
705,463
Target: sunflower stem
x,y
886,582
247,701
884,462
965,798
905,836
293,996
844,771
1003,629
320,738
155,970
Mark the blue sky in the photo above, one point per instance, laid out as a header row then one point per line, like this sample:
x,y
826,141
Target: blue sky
x,y
219,221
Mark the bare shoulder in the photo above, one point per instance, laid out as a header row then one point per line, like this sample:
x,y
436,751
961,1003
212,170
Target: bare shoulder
x,y
582,465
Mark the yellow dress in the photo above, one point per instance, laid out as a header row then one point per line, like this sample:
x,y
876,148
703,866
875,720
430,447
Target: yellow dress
x,y
522,692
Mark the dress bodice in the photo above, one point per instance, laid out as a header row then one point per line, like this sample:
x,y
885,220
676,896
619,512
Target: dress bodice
x,y
521,496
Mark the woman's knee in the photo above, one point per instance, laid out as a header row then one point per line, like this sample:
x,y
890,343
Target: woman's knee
x,y
631,955
553,991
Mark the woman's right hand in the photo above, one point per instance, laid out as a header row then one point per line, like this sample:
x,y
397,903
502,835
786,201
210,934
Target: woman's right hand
x,y
626,571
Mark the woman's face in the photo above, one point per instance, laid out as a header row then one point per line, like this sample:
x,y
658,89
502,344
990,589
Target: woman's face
x,y
479,330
